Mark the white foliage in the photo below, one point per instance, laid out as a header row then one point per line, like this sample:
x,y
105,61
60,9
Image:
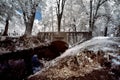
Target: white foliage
x,y
95,44
77,10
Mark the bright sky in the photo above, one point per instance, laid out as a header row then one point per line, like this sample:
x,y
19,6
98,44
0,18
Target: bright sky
x,y
38,15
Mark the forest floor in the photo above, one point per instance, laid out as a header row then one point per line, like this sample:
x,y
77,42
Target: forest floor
x,y
19,43
95,59
86,65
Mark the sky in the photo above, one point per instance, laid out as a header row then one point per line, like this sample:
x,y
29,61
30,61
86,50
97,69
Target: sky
x,y
38,15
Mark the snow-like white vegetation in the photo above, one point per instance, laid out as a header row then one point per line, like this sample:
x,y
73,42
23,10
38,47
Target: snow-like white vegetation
x,y
106,44
95,54
110,44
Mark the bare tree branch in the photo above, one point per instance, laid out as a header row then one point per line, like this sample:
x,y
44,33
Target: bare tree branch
x,y
103,2
93,15
59,11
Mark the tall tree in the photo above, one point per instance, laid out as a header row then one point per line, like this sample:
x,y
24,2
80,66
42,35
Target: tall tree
x,y
117,18
7,11
94,13
108,18
75,15
59,11
28,8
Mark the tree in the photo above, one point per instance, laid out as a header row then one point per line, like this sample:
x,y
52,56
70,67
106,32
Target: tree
x,y
75,15
49,16
28,9
108,17
93,13
7,12
59,11
112,12
116,16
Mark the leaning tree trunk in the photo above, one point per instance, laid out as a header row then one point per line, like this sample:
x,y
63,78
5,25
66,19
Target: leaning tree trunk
x,y
29,25
5,33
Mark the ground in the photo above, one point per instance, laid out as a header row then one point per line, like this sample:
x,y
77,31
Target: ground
x,y
96,59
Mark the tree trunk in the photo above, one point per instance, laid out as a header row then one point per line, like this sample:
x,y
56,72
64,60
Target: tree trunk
x,y
59,11
28,29
105,33
29,25
118,31
90,20
59,23
5,33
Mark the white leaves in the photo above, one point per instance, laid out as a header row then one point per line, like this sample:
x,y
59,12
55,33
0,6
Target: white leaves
x,y
7,9
29,7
